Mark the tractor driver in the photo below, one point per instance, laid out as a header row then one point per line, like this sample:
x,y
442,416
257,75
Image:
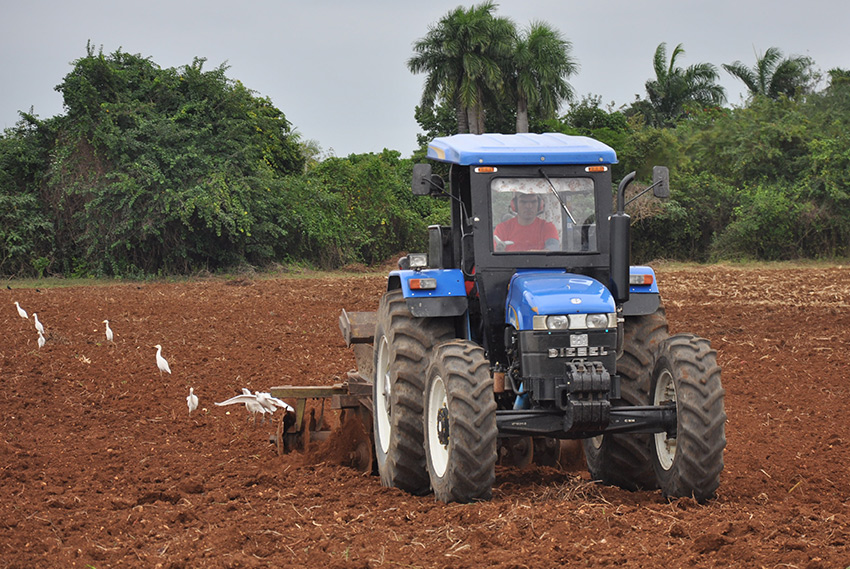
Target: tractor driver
x,y
526,231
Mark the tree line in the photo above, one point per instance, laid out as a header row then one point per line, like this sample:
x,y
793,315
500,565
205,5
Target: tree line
x,y
157,171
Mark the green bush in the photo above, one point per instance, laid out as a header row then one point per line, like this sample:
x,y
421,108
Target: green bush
x,y
26,230
165,170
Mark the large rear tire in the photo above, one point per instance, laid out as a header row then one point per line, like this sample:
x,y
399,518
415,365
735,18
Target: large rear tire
x,y
460,423
624,460
402,346
686,372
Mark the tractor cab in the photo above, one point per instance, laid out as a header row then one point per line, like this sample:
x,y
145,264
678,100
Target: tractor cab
x,y
531,235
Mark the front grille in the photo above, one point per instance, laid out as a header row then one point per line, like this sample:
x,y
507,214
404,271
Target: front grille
x,y
545,353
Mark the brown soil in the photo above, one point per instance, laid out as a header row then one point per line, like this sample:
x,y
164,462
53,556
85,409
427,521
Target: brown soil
x,y
101,464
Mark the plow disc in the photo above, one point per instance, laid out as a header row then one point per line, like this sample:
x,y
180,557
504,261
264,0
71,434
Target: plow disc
x,y
352,442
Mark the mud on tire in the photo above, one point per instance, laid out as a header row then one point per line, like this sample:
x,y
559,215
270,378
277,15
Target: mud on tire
x,y
686,372
625,460
402,346
460,423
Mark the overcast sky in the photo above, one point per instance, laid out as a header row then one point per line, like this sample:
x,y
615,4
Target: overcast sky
x,y
337,68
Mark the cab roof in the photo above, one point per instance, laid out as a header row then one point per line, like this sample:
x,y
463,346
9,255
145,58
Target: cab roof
x,y
519,149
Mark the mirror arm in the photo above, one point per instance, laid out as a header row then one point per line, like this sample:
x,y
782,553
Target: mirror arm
x,y
643,192
435,185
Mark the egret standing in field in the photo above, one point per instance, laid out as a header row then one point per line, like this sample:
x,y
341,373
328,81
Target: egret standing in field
x,y
109,334
192,400
21,311
41,339
38,325
161,363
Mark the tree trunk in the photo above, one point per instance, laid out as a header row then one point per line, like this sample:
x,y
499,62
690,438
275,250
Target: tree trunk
x,y
479,107
522,115
474,119
462,118
481,112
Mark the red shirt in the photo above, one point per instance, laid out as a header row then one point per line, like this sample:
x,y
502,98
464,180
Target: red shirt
x,y
531,237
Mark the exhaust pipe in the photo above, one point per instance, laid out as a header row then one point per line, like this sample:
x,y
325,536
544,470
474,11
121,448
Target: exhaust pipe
x,y
620,258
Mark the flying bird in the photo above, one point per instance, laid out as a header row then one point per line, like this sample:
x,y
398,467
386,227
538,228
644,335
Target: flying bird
x,y
192,400
109,334
41,339
38,325
161,363
250,402
257,402
21,311
271,403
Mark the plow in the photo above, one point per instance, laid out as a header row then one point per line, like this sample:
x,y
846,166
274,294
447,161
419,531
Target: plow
x,y
350,399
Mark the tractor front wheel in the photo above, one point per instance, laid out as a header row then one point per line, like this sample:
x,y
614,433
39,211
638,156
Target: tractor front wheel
x,y
686,373
624,459
460,423
402,346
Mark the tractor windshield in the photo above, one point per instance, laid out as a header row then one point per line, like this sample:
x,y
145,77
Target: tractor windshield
x,y
543,214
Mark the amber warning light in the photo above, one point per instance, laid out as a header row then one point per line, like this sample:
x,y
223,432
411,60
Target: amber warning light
x,y
423,284
640,280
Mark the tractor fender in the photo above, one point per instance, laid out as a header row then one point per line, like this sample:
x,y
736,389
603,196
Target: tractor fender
x,y
446,298
644,297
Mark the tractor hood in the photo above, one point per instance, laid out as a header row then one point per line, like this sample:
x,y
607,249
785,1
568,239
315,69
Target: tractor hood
x,y
539,292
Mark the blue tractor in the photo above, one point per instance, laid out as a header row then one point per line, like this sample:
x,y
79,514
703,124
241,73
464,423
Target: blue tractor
x,y
496,345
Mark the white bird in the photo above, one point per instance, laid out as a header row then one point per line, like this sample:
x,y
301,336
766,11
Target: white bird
x,y
192,400
272,403
269,403
41,339
109,334
21,311
38,325
250,401
161,363
257,402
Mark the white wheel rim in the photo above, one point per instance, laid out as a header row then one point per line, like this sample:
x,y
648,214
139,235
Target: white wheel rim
x,y
665,447
383,391
438,453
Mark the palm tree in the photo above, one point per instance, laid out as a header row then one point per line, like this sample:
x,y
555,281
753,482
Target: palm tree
x,y
674,88
542,64
463,56
773,76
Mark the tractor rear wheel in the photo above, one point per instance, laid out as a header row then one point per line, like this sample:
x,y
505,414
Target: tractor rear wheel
x,y
624,460
402,346
460,423
686,373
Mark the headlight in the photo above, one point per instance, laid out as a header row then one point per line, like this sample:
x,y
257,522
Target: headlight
x,y
595,321
418,260
575,322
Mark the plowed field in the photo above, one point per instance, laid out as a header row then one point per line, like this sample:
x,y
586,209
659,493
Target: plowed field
x,y
101,464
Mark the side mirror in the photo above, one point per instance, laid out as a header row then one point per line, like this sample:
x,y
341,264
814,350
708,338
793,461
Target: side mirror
x,y
661,181
425,183
421,179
